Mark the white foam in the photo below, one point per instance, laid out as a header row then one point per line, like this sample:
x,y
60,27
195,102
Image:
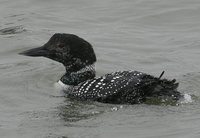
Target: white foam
x,y
186,99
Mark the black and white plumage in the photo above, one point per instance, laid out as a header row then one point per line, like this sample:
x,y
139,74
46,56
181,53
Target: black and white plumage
x,y
126,87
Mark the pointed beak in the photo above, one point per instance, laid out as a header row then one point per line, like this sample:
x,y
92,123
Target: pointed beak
x,y
36,52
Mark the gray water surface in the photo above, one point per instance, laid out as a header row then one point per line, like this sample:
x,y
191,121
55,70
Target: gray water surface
x,y
145,35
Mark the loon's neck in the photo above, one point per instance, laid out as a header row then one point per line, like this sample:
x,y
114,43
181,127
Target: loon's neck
x,y
76,77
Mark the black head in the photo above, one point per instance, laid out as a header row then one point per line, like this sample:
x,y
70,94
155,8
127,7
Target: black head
x,y
68,49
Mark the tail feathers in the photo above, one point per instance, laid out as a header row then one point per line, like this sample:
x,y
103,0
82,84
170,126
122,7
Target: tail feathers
x,y
167,88
161,75
158,88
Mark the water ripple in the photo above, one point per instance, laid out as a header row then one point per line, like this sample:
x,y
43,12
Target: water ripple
x,y
12,30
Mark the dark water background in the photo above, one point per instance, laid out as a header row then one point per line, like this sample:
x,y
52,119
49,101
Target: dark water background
x,y
145,35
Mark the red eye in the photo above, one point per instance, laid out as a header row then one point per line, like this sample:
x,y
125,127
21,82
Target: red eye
x,y
60,45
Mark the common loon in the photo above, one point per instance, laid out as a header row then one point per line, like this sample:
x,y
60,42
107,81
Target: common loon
x,y
125,87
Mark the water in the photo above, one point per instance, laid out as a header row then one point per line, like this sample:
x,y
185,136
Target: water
x,y
145,35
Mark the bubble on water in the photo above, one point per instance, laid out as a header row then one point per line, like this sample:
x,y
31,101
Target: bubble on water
x,y
114,109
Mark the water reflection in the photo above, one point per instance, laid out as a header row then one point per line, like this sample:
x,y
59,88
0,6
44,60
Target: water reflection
x,y
72,111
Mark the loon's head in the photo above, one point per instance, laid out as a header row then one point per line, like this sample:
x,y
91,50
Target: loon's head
x,y
72,51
